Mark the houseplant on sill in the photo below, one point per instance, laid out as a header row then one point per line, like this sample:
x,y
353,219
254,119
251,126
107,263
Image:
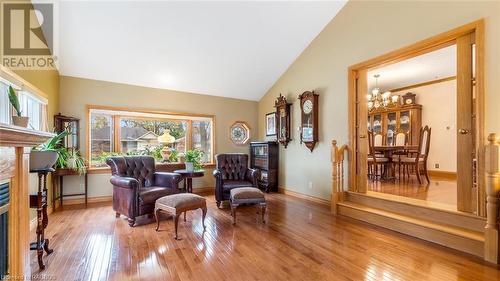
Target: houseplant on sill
x,y
193,160
17,120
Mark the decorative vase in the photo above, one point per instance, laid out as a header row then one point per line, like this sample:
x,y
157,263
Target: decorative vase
x,y
42,159
20,121
189,166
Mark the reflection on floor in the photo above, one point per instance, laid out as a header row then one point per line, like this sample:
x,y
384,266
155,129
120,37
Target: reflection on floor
x,y
440,190
300,241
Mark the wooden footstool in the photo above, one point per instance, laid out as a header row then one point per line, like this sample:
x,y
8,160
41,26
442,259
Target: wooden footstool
x,y
176,204
247,195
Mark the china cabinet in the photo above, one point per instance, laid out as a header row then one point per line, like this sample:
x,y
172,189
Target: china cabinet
x,y
386,121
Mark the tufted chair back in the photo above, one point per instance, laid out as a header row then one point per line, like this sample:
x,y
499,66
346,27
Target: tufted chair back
x,y
233,166
141,168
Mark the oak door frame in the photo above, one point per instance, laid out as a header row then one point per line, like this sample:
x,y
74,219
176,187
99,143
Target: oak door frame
x,y
439,41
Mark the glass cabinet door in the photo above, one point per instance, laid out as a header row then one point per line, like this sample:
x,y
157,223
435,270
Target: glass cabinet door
x,y
404,120
377,124
391,127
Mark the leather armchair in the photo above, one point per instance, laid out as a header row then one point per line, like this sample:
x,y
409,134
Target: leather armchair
x,y
136,185
231,172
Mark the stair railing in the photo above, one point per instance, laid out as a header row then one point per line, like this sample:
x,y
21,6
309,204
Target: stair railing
x,y
491,231
338,188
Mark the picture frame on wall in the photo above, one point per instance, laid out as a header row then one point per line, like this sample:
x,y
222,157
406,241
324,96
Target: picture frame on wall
x,y
271,124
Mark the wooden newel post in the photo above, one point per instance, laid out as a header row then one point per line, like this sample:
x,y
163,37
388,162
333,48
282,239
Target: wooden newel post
x,y
492,159
337,175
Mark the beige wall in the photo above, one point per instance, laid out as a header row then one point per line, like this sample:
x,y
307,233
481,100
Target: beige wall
x,y
363,30
439,107
48,82
76,93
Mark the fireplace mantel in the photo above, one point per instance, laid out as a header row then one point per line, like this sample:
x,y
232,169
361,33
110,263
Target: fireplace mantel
x,y
14,163
14,136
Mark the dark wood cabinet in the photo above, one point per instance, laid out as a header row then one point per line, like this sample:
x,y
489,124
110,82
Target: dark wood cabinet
x,y
386,121
264,156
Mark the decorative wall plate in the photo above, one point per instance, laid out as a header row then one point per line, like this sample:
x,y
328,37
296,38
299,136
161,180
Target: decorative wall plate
x,y
239,133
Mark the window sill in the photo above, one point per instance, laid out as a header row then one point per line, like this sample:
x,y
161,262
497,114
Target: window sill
x,y
160,167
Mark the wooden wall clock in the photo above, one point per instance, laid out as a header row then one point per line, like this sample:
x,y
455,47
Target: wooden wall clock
x,y
283,120
239,133
309,119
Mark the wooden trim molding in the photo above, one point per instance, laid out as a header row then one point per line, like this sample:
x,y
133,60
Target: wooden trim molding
x,y
439,41
443,174
424,84
303,196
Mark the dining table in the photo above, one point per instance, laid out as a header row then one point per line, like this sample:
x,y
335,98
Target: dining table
x,y
388,151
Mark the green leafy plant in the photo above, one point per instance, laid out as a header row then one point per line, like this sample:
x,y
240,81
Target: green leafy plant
x,y
194,156
74,156
14,100
63,153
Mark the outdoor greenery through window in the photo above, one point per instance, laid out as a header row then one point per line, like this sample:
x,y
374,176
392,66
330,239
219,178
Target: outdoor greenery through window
x,y
166,137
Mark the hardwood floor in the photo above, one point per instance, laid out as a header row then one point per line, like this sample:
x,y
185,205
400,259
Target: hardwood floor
x,y
300,241
440,190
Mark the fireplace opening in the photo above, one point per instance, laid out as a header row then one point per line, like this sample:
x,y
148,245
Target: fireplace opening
x,y
4,222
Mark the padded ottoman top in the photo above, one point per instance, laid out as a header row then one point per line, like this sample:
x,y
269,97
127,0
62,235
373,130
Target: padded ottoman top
x,y
181,201
246,193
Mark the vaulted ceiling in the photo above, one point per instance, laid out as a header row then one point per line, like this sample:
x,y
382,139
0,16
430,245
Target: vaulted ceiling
x,y
231,49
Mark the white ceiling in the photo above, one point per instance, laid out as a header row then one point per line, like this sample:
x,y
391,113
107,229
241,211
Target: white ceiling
x,y
231,49
435,65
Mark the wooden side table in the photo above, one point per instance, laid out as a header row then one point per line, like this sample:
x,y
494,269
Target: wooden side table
x,y
39,202
59,175
188,178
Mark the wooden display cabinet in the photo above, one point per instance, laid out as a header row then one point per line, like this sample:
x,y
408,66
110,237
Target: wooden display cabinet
x,y
264,156
387,120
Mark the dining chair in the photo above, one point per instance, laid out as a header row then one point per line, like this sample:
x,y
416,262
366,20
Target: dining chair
x,y
421,155
375,160
400,139
378,139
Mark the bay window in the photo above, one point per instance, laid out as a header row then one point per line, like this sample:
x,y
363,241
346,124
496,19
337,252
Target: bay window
x,y
118,132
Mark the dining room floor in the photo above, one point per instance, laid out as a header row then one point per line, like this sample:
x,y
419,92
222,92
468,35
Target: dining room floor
x,y
440,190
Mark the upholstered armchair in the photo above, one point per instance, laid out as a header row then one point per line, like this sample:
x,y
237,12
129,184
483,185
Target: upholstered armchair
x,y
136,185
231,172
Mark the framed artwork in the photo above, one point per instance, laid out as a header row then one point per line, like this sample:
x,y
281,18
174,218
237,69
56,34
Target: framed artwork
x,y
271,124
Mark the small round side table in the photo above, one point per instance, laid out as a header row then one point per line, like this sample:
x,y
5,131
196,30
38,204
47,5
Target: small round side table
x,y
188,178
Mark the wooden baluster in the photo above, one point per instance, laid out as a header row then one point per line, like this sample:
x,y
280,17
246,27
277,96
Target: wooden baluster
x,y
492,159
334,178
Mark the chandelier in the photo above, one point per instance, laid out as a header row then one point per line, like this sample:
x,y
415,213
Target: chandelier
x,y
377,100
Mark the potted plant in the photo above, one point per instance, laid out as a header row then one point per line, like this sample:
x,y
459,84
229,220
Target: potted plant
x,y
47,154
74,160
18,119
193,160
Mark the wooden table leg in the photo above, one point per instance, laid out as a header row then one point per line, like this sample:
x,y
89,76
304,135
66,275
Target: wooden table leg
x,y
86,188
61,191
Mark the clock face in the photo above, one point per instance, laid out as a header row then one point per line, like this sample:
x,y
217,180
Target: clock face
x,y
240,133
409,101
307,106
282,112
